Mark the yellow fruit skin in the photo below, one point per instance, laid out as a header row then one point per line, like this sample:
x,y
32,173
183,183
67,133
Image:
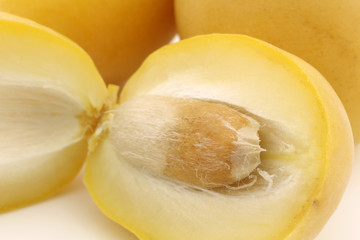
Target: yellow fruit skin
x,y
100,171
118,35
37,57
37,46
324,33
339,155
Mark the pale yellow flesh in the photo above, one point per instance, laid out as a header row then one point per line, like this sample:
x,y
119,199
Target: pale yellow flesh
x,y
50,95
298,162
323,33
113,32
33,179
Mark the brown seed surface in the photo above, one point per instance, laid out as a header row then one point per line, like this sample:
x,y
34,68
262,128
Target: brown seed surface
x,y
205,143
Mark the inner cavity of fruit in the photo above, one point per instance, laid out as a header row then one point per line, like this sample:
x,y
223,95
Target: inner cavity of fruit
x,y
200,143
31,115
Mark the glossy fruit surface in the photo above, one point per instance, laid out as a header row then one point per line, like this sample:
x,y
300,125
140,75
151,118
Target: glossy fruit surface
x,y
118,35
324,33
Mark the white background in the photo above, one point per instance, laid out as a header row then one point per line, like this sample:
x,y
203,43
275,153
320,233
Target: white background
x,y
71,214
